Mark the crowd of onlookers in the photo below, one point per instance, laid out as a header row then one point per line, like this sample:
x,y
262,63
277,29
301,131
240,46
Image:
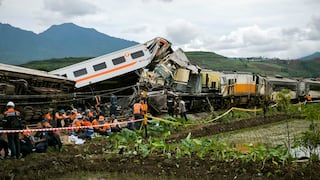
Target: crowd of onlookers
x,y
81,123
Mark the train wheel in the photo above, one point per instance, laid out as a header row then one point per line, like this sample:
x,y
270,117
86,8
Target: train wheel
x,y
226,104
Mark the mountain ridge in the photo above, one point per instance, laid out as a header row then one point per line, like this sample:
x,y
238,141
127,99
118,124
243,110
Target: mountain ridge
x,y
19,46
313,56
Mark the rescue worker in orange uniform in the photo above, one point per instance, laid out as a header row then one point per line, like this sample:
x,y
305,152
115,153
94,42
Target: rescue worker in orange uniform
x,y
309,97
48,117
137,113
26,142
87,132
144,108
105,129
76,123
13,121
95,123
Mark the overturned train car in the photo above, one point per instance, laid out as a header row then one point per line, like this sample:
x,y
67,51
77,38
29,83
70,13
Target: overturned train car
x,y
33,91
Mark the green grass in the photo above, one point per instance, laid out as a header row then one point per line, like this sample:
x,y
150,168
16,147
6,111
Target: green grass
x,y
271,134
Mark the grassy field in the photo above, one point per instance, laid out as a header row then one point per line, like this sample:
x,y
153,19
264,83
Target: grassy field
x,y
271,134
286,68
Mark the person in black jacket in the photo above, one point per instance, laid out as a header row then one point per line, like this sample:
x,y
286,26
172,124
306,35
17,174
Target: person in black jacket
x,y
12,121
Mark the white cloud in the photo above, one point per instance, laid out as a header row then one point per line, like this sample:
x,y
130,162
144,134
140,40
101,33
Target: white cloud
x,y
157,0
314,28
70,7
232,28
181,31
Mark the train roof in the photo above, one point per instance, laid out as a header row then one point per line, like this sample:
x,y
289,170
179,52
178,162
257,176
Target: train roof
x,y
95,59
27,71
237,72
280,79
312,80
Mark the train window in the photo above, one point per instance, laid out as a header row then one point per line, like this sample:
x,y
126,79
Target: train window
x,y
257,80
314,87
64,75
118,60
80,72
213,85
100,66
137,54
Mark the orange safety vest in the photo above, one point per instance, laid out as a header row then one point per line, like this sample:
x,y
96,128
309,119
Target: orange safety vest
x,y
144,108
137,108
48,117
106,126
46,125
77,124
27,131
73,116
309,98
86,123
95,123
11,110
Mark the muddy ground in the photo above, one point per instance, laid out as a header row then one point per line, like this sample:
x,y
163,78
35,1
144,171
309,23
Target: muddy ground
x,y
91,161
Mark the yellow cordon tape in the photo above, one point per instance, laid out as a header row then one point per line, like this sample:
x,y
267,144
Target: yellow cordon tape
x,y
164,120
222,115
227,112
234,108
171,122
247,110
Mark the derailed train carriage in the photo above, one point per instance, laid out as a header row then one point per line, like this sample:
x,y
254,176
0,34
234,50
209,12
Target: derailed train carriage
x,y
152,67
309,86
206,89
33,91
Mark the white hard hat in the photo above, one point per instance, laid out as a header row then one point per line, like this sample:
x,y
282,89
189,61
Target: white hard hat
x,y
10,103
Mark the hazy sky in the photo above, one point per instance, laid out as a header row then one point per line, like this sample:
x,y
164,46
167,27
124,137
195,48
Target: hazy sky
x,y
234,28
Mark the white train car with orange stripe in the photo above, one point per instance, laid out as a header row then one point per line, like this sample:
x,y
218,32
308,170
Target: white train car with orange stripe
x,y
114,64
